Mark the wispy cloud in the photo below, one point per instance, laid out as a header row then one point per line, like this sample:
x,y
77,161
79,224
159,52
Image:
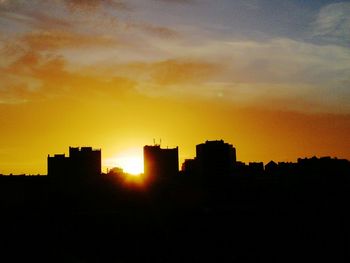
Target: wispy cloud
x,y
71,4
56,39
333,23
251,72
103,18
181,71
177,1
160,31
33,76
92,5
160,60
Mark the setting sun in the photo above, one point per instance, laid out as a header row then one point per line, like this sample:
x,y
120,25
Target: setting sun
x,y
130,164
116,74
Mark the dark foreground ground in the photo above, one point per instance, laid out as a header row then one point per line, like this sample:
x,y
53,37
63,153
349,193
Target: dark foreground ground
x,y
241,219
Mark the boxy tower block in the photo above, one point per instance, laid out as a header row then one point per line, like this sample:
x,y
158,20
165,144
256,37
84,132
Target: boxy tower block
x,y
215,158
160,164
83,162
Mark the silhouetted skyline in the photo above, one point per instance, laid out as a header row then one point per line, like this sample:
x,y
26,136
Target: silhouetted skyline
x,y
272,77
215,208
249,99
212,157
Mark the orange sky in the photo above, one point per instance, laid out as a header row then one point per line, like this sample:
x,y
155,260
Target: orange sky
x,y
30,131
115,75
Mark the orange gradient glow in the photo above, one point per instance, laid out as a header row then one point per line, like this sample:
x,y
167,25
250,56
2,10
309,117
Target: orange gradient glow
x,y
132,165
258,134
130,160
116,84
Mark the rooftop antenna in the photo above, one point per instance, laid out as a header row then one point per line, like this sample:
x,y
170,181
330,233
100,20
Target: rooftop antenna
x,y
154,141
160,142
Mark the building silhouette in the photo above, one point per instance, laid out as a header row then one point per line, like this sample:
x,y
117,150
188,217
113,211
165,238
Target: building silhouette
x,y
160,164
57,165
301,210
85,160
215,158
189,167
82,162
271,167
256,168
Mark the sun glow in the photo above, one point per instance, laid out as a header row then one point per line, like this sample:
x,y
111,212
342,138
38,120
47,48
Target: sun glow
x,y
130,164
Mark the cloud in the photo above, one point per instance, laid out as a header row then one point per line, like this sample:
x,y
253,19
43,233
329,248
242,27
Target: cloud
x,y
284,69
246,72
279,60
15,17
53,14
71,4
166,74
177,1
333,23
92,5
18,16
158,61
160,31
173,71
11,4
56,39
55,43
46,21
34,76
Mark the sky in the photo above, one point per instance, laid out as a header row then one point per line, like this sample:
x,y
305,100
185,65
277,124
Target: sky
x,y
270,77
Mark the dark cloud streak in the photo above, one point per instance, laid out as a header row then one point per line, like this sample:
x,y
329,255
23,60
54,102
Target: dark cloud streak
x,y
160,31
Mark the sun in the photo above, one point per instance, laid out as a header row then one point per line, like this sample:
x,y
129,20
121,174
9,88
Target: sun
x,y
130,164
